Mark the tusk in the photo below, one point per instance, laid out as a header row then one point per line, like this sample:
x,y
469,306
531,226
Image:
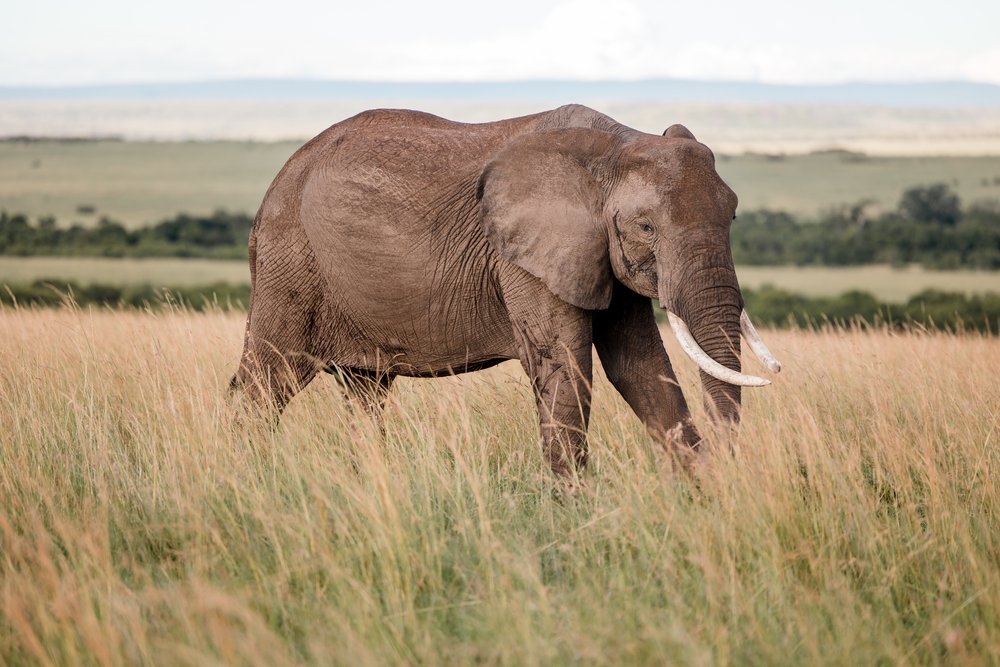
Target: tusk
x,y
757,345
707,363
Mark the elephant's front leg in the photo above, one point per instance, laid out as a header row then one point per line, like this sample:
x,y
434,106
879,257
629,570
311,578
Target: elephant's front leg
x,y
554,342
631,351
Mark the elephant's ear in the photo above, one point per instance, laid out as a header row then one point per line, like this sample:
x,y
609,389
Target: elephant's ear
x,y
541,209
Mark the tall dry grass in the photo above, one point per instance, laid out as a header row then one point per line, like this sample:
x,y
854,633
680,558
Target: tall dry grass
x,y
858,521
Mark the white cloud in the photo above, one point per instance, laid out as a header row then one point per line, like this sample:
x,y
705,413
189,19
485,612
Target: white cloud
x,y
581,39
575,39
708,60
984,66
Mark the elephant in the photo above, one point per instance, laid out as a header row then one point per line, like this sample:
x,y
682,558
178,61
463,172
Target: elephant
x,y
399,243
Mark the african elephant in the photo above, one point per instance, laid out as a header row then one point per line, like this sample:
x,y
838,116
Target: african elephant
x,y
400,243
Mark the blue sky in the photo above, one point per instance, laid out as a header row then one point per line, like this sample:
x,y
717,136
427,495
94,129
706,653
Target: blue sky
x,y
50,42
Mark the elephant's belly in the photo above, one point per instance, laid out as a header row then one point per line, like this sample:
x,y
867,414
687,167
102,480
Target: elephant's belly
x,y
422,338
407,314
410,343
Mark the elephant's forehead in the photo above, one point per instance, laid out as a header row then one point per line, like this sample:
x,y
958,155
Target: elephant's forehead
x,y
643,190
657,188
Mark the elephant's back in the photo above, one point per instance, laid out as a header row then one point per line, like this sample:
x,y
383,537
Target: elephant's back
x,y
385,154
387,195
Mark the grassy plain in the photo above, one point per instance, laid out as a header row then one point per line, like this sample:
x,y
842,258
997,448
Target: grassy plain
x,y
143,182
892,285
136,183
858,521
160,272
886,283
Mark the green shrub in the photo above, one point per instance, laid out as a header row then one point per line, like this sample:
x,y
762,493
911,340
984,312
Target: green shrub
x,y
769,306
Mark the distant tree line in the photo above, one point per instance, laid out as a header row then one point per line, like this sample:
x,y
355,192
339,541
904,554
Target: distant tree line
x,y
929,227
221,235
931,309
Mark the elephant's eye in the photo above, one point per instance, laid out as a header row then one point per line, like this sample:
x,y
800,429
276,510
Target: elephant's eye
x,y
645,227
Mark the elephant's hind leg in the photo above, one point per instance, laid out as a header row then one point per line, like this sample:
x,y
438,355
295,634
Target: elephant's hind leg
x,y
284,325
275,366
273,370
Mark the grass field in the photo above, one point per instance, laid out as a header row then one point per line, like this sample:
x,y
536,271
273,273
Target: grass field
x,y
136,183
886,283
167,272
857,523
144,182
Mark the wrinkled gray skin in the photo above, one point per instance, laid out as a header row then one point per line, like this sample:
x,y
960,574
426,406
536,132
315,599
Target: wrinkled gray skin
x,y
401,243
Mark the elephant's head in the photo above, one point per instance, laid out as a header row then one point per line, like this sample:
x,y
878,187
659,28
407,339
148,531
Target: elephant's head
x,y
578,207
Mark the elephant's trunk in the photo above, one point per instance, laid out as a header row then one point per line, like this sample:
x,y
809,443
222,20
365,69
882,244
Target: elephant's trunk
x,y
716,328
707,317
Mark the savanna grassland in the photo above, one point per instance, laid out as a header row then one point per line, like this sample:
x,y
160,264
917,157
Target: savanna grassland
x,y
856,522
142,182
884,282
156,271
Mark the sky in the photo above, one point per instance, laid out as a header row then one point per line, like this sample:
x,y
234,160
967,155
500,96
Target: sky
x,y
77,42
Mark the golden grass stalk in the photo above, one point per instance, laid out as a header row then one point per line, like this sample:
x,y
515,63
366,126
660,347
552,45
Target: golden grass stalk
x,y
857,521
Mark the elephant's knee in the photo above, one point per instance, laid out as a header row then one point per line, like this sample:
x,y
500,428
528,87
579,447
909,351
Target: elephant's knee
x,y
683,435
682,443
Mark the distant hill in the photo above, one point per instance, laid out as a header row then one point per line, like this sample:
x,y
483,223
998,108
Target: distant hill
x,y
923,94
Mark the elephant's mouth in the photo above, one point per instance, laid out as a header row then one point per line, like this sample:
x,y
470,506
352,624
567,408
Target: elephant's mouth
x,y
714,368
